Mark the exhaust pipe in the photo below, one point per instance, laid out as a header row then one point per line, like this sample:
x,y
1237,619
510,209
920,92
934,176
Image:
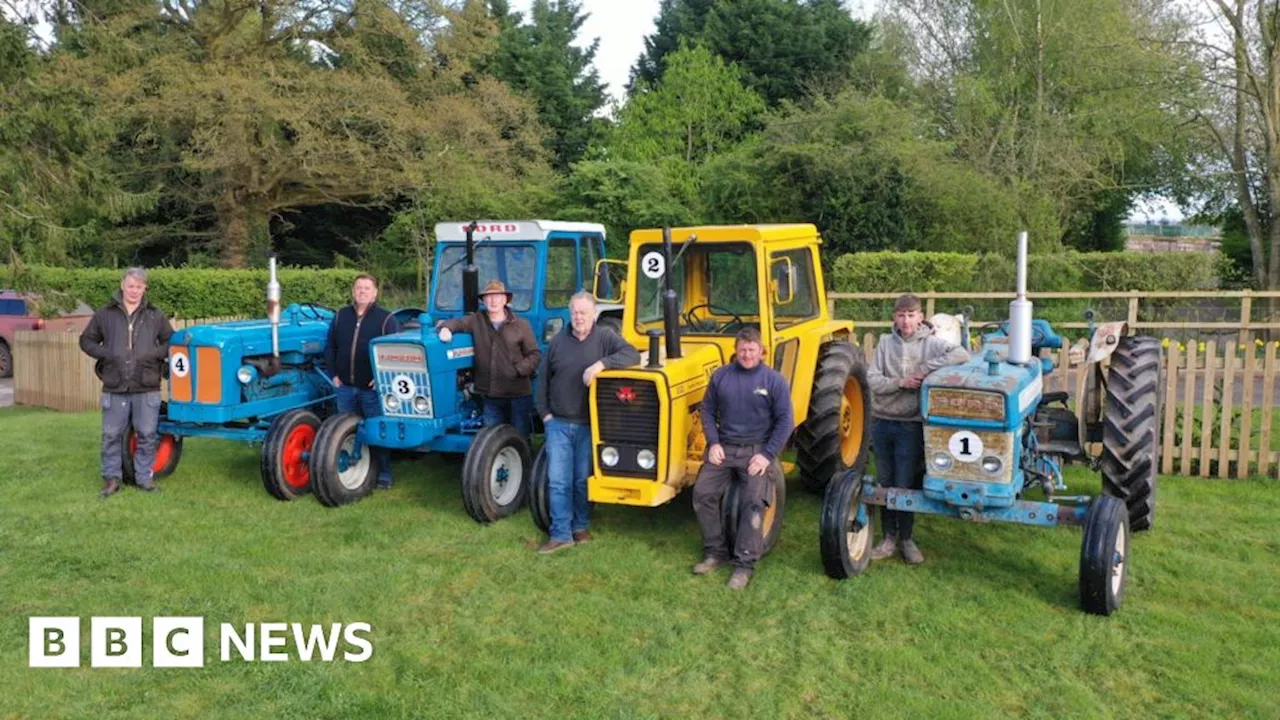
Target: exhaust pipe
x,y
670,303
471,274
1020,311
273,314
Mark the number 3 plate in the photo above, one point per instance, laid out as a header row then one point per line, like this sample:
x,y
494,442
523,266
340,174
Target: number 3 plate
x,y
403,387
965,446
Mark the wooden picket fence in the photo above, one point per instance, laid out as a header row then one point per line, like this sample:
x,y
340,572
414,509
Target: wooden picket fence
x,y
50,370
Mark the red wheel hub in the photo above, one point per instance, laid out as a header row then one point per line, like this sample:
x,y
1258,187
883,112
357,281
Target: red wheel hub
x,y
164,450
298,442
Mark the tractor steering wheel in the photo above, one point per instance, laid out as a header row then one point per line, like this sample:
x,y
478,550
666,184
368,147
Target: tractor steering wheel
x,y
694,322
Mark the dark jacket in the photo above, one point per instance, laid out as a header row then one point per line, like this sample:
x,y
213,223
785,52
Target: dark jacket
x,y
748,407
346,350
560,388
505,358
131,350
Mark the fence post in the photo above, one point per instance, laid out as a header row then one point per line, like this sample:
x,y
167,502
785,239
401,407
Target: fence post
x,y
1246,314
1188,408
1228,396
1268,391
1170,405
928,307
1133,311
1206,406
1246,414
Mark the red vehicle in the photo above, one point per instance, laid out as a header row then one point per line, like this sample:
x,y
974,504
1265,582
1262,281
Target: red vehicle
x,y
20,312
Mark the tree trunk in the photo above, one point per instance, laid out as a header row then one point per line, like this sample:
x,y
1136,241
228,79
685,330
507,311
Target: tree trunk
x,y
234,229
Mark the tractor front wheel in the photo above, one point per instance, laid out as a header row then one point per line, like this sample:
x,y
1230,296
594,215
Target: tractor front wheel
x,y
836,435
495,473
1131,428
168,453
844,541
1104,556
338,476
770,523
540,492
286,454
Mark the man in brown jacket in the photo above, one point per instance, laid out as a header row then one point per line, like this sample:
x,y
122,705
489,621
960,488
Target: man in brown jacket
x,y
506,357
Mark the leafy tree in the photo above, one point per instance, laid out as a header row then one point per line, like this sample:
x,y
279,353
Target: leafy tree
x,y
623,195
540,60
786,49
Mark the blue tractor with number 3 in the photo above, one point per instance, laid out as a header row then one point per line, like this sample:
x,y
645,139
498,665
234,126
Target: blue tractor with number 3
x,y
425,385
993,436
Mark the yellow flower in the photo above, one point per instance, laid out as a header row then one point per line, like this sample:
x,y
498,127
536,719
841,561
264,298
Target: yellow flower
x,y
1201,347
1164,343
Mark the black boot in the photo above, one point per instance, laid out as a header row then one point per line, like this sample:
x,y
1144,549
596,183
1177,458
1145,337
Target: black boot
x,y
110,486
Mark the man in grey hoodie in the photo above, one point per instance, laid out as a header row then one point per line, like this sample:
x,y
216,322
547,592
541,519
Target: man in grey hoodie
x,y
903,358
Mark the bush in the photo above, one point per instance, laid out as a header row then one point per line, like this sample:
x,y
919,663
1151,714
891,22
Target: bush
x,y
189,293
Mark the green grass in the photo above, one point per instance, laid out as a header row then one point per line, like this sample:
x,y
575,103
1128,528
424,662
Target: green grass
x,y
468,621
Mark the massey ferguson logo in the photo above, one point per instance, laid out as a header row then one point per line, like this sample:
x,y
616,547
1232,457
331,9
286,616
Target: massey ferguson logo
x,y
494,228
625,395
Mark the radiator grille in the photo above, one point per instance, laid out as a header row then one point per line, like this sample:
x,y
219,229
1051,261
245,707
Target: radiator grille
x,y
627,411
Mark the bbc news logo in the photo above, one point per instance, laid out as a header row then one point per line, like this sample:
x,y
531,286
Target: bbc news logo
x,y
178,642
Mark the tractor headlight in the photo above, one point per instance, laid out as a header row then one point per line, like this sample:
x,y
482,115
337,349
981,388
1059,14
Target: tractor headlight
x,y
992,465
391,402
609,456
246,374
646,459
941,461
421,404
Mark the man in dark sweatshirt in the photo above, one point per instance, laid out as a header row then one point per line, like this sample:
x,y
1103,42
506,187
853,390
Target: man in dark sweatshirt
x,y
129,337
575,356
746,418
346,356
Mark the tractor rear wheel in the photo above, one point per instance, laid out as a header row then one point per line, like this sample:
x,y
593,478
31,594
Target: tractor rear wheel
x,y
1131,428
1104,565
836,435
286,453
845,543
771,523
337,476
495,474
540,492
6,360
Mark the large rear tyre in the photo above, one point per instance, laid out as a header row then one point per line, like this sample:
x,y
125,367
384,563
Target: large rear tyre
x,y
770,524
845,543
495,474
286,454
539,493
1131,428
168,453
836,435
1104,565
338,477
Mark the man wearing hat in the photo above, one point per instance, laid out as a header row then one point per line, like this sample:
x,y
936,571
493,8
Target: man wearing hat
x,y
903,358
506,357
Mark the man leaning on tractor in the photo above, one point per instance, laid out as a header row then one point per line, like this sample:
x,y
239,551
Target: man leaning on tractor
x,y
129,337
903,358
746,417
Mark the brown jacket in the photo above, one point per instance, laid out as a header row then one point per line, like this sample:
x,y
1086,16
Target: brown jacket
x,y
505,358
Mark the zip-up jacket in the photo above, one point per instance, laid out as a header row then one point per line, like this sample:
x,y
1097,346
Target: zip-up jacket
x,y
346,350
130,349
897,357
505,357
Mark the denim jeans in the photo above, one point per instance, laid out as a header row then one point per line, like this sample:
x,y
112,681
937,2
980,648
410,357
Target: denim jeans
x,y
899,448
516,411
568,465
122,410
366,403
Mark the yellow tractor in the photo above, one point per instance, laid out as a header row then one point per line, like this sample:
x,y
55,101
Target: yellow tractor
x,y
687,293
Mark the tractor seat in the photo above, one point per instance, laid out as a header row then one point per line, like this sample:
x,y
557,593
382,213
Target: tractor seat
x,y
1053,397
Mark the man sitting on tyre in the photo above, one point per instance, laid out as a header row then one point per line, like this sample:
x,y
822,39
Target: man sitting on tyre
x,y
903,358
746,418
346,355
506,357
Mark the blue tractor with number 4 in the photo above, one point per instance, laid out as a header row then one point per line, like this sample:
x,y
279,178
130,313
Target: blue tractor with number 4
x,y
993,436
426,385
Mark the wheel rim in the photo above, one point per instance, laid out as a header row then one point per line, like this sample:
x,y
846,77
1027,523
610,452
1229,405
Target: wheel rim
x,y
295,455
1117,562
857,539
351,472
505,476
5,363
851,411
770,512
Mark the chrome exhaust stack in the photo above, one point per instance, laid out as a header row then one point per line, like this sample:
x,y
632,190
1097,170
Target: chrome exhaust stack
x,y
273,314
1020,311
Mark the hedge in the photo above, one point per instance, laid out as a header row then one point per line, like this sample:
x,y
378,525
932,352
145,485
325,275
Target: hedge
x,y
189,293
1065,272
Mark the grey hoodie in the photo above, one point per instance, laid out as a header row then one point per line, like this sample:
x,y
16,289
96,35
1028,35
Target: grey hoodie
x,y
897,357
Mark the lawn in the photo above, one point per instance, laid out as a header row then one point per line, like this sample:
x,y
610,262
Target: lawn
x,y
469,622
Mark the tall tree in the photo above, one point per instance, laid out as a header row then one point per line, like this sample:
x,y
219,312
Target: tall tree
x,y
786,49
540,60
